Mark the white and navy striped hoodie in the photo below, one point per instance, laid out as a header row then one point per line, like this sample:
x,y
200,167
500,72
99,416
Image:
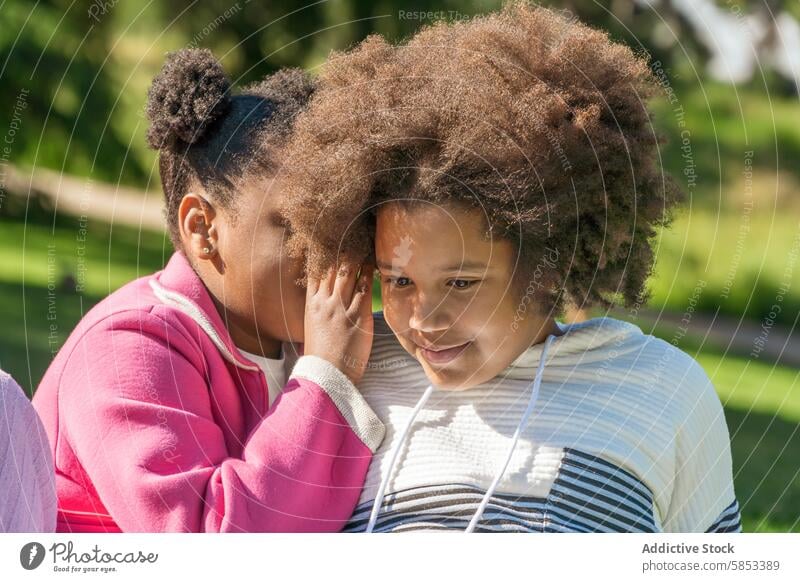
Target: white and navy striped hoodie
x,y
627,434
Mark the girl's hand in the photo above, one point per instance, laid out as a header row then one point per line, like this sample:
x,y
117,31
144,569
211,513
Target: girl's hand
x,y
338,318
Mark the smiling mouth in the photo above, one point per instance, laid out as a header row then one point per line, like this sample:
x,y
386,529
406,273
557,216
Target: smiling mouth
x,y
443,356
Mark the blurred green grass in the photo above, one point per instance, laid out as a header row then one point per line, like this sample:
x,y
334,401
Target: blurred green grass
x,y
39,273
721,123
742,217
701,249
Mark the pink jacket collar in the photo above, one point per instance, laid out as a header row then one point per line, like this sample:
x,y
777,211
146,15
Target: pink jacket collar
x,y
180,287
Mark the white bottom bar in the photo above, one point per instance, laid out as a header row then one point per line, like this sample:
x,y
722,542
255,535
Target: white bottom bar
x,y
408,557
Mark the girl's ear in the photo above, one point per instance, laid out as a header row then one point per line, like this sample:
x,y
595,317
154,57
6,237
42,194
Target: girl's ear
x,y
197,222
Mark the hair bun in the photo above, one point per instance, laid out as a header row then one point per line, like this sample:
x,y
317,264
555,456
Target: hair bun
x,y
188,94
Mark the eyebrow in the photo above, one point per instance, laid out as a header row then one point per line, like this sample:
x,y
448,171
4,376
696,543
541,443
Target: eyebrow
x,y
463,266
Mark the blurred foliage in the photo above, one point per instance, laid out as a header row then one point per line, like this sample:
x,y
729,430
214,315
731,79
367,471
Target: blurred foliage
x,y
87,65
83,69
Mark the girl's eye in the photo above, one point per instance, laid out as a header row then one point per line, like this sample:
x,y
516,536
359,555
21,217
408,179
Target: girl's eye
x,y
462,283
398,281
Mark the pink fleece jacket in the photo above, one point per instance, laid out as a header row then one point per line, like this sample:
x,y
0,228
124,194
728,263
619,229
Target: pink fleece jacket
x,y
158,423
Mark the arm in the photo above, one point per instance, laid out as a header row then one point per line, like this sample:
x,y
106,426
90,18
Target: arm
x,y
138,412
27,479
703,498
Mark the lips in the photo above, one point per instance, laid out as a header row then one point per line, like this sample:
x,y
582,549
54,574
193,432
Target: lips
x,y
436,355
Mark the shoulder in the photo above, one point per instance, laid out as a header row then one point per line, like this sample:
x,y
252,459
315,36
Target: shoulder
x,y
132,356
658,361
125,305
128,345
387,352
144,330
13,399
654,370
24,428
685,386
133,308
671,366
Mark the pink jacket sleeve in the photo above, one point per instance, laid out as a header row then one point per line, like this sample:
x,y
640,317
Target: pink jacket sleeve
x,y
138,412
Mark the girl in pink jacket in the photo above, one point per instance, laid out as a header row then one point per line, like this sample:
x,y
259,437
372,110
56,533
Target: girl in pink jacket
x,y
168,408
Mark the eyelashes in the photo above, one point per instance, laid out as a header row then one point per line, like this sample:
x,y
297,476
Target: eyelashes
x,y
396,281
404,282
467,283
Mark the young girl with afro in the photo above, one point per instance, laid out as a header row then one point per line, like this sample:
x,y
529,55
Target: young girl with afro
x,y
497,170
185,401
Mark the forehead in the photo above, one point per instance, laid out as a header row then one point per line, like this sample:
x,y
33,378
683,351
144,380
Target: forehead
x,y
435,235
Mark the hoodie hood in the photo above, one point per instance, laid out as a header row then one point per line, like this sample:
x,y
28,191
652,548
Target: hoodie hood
x,y
583,342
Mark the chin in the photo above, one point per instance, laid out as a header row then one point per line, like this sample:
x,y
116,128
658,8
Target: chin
x,y
449,380
296,337
292,335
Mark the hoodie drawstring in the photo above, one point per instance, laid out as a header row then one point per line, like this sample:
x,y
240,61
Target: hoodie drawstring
x,y
537,382
376,506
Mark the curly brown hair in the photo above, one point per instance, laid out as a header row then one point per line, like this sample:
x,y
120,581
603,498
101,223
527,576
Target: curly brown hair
x,y
209,135
538,121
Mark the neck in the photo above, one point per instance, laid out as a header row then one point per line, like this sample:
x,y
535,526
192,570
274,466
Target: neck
x,y
245,334
544,329
243,331
255,343
540,330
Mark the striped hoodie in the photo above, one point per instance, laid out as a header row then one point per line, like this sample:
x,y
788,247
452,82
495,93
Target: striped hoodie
x,y
627,435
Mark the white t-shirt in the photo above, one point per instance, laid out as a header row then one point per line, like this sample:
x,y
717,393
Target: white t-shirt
x,y
274,370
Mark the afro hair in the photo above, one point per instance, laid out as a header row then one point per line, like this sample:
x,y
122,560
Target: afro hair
x,y
535,119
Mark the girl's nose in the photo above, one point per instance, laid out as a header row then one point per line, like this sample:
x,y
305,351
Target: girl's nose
x,y
429,315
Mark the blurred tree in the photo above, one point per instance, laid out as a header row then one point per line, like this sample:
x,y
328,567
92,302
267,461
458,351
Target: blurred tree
x,y
85,66
54,56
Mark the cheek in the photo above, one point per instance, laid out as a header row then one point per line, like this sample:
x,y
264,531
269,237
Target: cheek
x,y
269,274
291,269
490,314
507,304
289,273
